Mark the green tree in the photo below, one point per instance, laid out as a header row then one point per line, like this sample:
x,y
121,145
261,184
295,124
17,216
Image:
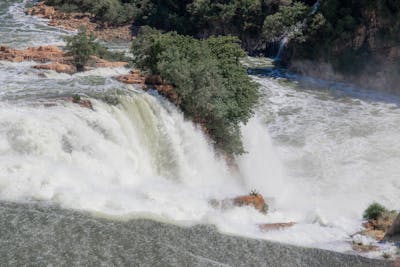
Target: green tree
x,y
287,21
81,47
212,85
374,211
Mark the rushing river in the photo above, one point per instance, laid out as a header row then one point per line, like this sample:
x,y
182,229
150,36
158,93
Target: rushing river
x,y
83,187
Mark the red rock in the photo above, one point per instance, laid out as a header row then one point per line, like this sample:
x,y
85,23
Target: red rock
x,y
275,226
134,77
85,103
154,80
255,200
102,63
393,232
40,54
58,67
73,21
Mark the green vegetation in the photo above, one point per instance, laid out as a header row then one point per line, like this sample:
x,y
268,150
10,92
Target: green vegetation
x,y
113,12
374,211
254,193
76,98
287,21
83,46
212,85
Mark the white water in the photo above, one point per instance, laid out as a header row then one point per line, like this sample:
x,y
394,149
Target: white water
x,y
319,157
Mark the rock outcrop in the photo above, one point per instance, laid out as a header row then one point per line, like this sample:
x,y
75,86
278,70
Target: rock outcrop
x,y
73,21
56,59
39,54
147,82
85,103
377,228
393,233
57,67
275,226
254,200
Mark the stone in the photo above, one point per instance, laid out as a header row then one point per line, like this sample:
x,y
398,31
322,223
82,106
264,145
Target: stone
x,y
254,200
275,226
75,20
393,233
58,67
85,103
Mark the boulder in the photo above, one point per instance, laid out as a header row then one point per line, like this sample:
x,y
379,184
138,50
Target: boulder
x,y
39,54
102,63
255,200
134,77
75,20
85,103
393,233
275,226
58,67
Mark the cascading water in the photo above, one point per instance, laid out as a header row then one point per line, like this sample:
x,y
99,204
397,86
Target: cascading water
x,y
284,40
282,44
319,157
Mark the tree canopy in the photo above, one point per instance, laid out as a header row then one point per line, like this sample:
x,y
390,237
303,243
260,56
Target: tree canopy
x,y
212,85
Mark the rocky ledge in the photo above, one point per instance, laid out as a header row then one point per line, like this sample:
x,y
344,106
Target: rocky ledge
x,y
52,58
385,228
147,82
73,21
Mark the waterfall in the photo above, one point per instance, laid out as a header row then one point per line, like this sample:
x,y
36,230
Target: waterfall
x,y
282,44
297,28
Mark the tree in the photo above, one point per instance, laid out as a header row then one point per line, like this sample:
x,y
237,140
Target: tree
x,y
212,85
287,21
81,47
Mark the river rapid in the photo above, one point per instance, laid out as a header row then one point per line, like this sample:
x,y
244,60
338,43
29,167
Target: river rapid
x,y
320,152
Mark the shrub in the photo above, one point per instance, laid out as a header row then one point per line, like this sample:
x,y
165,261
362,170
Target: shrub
x,y
374,211
212,86
81,47
113,12
285,21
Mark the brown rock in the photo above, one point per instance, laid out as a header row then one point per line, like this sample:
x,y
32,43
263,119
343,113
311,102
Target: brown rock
x,y
393,232
154,79
85,103
363,248
102,63
39,54
275,226
134,77
58,67
73,21
375,234
254,200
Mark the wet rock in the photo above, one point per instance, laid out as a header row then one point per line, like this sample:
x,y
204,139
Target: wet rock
x,y
275,226
75,20
362,243
150,81
39,54
254,200
85,103
376,229
58,67
393,233
363,248
134,77
102,63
